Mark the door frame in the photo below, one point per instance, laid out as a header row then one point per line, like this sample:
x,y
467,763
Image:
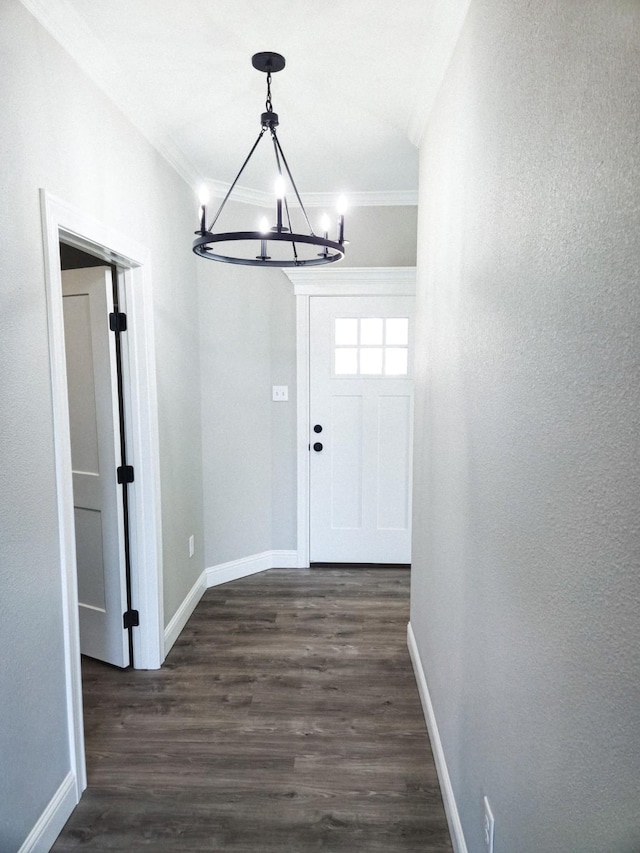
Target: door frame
x,y
323,281
64,222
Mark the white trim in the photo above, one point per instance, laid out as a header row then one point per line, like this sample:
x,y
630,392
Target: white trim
x,y
50,823
64,492
345,281
60,219
302,429
448,796
353,281
364,198
261,198
182,614
245,566
281,559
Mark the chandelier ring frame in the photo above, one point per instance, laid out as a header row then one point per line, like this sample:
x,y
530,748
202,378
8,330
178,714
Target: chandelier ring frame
x,y
203,240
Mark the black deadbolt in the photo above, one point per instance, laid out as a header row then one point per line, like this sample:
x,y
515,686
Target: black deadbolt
x,y
317,428
317,446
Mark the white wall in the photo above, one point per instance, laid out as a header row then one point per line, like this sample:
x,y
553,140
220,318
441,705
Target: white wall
x,y
60,133
248,344
526,550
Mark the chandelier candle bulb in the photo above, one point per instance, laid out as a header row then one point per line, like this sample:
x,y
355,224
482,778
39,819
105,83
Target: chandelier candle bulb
x,y
325,223
203,196
279,189
341,207
263,228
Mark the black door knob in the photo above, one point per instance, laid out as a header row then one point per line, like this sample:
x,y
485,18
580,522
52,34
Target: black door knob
x,y
317,446
317,428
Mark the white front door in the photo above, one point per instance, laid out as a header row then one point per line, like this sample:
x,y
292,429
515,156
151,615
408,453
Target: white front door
x,y
361,415
95,455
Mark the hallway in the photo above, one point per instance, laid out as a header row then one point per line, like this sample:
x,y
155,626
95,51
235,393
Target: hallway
x,y
285,718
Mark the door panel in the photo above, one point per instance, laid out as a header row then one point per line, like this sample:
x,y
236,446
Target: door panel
x,y
89,551
394,460
345,451
95,451
361,393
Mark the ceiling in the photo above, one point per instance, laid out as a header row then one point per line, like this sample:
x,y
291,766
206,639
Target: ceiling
x,y
360,79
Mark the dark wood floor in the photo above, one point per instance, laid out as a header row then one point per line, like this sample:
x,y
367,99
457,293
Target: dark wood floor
x,y
286,718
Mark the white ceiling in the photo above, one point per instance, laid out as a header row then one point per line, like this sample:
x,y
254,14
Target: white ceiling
x,y
360,79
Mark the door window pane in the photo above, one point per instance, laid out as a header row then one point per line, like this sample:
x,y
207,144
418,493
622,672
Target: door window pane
x,y
346,332
371,346
371,331
397,331
371,360
396,361
346,361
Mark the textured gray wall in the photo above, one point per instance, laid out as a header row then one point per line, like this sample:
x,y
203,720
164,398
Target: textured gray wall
x,y
525,586
60,133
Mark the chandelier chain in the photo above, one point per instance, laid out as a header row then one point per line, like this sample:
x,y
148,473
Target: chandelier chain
x,y
268,103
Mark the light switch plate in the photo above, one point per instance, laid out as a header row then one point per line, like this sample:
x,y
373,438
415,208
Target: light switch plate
x,y
280,393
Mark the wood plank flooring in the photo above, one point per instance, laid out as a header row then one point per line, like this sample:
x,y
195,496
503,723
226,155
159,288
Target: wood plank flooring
x,y
285,718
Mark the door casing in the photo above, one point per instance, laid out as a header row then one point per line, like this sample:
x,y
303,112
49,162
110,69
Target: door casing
x,y
328,281
62,222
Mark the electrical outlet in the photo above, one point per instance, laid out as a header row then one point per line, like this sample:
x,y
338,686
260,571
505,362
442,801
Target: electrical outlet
x,y
489,827
192,545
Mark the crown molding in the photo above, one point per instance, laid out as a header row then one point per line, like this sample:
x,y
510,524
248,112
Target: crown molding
x,y
175,157
259,198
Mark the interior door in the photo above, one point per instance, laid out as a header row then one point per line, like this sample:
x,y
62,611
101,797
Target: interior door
x,y
361,412
95,451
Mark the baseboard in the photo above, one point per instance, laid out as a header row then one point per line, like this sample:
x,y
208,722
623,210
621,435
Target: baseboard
x,y
284,559
235,569
53,818
223,573
182,614
448,797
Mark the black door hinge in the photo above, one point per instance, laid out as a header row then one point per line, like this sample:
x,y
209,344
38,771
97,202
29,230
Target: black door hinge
x,y
118,322
131,619
125,474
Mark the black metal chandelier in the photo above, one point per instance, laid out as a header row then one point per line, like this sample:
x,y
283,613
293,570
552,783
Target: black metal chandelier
x,y
270,240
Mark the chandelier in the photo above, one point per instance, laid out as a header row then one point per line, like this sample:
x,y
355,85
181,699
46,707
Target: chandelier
x,y
278,245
